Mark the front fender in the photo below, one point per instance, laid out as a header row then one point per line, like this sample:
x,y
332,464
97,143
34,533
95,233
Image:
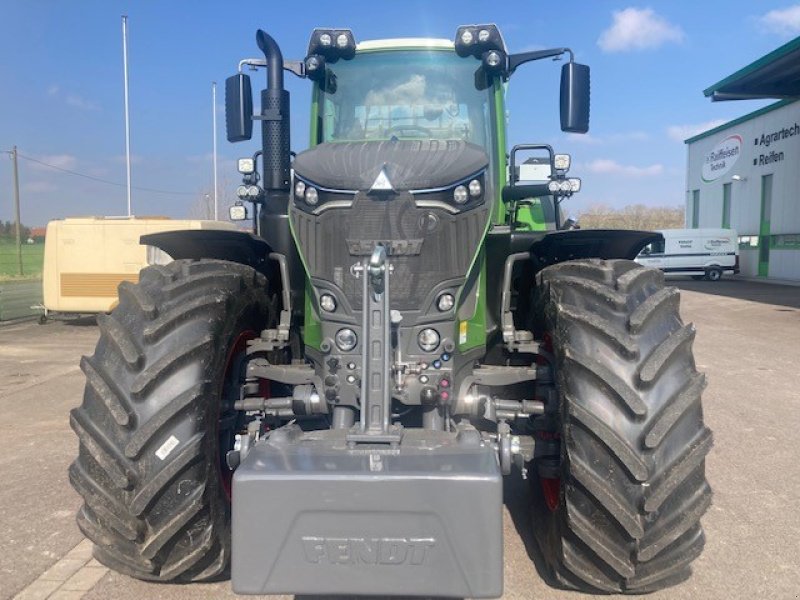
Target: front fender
x,y
560,246
234,246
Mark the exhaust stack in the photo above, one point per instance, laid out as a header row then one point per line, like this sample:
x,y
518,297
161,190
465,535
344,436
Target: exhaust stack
x,y
275,133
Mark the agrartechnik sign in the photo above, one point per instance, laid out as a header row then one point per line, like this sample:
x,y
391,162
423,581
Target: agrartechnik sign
x,y
722,158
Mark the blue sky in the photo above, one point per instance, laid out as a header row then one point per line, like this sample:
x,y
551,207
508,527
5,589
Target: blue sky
x,y
61,82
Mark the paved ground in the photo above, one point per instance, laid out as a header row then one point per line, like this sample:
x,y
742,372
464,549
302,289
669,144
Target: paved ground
x,y
17,297
748,342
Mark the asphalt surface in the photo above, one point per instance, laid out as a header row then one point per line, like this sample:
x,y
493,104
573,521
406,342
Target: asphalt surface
x,y
17,298
748,343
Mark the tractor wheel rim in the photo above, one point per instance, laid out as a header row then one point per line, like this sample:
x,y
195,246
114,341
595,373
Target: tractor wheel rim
x,y
551,486
224,435
551,490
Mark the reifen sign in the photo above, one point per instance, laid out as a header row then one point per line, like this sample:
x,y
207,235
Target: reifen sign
x,y
722,158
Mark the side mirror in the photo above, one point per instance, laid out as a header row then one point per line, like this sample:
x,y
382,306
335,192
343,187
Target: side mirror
x,y
238,108
575,98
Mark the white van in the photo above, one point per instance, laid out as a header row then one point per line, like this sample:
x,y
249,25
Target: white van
x,y
701,253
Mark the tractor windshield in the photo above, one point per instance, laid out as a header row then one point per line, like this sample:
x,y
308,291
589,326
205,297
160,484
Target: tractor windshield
x,y
408,94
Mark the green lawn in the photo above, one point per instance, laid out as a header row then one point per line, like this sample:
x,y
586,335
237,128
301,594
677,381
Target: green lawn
x,y
32,260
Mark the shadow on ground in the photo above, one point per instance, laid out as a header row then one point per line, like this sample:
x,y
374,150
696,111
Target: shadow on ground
x,y
516,497
73,321
767,293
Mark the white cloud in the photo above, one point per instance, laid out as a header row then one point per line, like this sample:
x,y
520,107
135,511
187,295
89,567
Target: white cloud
x,y
682,132
71,99
201,158
136,159
623,136
638,29
782,21
606,166
60,161
79,102
39,187
584,138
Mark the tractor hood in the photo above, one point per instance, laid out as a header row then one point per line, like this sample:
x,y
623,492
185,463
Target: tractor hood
x,y
408,164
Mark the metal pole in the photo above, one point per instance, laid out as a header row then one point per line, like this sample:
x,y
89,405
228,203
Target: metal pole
x,y
127,114
16,211
214,126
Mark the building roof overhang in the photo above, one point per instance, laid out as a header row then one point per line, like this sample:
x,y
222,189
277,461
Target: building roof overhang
x,y
774,75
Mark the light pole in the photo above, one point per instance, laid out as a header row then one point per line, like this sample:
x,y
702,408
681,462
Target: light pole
x,y
214,137
17,224
127,114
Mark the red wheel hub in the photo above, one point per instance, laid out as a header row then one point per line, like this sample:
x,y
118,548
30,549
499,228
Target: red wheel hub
x,y
551,490
551,486
237,349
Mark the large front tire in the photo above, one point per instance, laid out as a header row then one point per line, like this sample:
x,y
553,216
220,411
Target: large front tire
x,y
628,487
148,468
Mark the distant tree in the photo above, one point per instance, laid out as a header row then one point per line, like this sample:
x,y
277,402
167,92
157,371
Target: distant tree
x,y
9,230
635,216
203,205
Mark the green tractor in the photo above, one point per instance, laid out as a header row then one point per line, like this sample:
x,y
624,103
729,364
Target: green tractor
x,y
330,403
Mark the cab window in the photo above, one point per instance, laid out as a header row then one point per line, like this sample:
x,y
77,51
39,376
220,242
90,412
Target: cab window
x,y
653,248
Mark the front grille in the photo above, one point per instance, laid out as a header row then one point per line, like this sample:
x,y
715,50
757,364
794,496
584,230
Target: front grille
x,y
327,242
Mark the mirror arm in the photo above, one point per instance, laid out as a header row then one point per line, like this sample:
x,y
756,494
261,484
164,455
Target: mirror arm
x,y
515,60
295,67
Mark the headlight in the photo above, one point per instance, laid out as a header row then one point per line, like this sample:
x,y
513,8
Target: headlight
x,y
564,186
483,35
325,39
346,339
246,166
237,212
314,66
553,186
575,184
475,188
460,194
445,302
428,339
493,58
253,191
241,191
311,196
299,189
466,37
327,302
562,162
341,41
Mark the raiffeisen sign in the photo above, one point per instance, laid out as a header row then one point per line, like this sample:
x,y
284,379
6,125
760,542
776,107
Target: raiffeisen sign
x,y
722,158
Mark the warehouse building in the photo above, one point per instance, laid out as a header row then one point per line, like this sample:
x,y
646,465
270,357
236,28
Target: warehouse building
x,y
745,174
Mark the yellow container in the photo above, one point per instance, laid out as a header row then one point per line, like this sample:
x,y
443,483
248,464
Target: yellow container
x,y
86,258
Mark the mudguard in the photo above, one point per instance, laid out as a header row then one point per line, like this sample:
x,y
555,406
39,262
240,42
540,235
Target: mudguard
x,y
234,246
560,246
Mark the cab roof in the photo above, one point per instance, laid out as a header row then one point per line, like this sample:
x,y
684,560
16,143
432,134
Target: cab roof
x,y
405,44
